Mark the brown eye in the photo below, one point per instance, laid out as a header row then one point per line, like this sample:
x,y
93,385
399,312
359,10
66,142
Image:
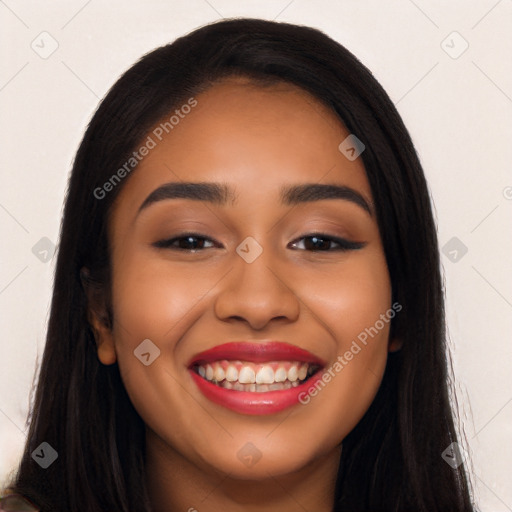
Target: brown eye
x,y
318,242
187,242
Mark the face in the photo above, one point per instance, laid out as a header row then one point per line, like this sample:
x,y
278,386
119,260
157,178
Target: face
x,y
276,275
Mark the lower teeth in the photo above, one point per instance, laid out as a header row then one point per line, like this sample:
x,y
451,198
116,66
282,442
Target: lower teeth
x,y
258,388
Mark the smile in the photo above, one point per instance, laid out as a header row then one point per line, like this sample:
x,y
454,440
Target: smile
x,y
255,378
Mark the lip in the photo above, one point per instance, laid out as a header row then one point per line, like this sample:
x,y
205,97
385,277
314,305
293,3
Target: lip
x,y
255,403
246,402
256,353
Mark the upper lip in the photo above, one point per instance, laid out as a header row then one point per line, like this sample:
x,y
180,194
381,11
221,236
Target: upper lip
x,y
257,352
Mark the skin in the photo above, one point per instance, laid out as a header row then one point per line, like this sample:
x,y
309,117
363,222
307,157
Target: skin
x,y
256,140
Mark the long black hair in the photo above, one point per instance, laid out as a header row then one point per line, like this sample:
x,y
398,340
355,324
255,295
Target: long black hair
x,y
391,461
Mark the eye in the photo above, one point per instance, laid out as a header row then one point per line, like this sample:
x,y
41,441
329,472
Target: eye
x,y
314,242
192,242
319,242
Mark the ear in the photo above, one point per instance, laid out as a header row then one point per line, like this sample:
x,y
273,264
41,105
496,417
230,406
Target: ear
x,y
395,344
99,318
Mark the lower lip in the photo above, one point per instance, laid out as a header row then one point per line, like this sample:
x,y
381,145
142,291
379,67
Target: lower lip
x,y
246,402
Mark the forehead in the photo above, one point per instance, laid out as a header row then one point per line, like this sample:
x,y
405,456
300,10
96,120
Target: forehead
x,y
257,138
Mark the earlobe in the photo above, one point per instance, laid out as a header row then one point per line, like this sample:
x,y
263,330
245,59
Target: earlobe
x,y
106,352
99,320
395,345
103,336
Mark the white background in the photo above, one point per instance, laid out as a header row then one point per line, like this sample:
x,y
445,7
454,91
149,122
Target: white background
x,y
458,111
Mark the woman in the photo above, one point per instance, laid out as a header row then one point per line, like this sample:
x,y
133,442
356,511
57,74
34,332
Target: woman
x,y
248,308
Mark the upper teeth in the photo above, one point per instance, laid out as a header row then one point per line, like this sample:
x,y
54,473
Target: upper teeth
x,y
250,373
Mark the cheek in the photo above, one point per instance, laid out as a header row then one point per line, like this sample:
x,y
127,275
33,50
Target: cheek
x,y
153,300
354,306
351,299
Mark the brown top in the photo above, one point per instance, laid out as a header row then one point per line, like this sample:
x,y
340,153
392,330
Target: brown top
x,y
16,503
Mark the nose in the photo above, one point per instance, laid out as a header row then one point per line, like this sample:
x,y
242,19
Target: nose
x,y
257,293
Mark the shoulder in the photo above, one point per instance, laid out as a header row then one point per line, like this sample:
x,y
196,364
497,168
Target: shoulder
x,y
11,502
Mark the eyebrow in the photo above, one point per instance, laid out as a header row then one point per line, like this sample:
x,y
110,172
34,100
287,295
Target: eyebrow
x,y
221,193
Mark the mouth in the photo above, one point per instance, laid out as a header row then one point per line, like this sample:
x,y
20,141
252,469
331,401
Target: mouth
x,y
255,378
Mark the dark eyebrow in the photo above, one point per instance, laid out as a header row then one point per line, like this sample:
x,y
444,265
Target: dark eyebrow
x,y
221,193
319,191
217,193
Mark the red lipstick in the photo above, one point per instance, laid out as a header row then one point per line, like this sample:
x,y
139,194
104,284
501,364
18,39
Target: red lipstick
x,y
256,353
255,402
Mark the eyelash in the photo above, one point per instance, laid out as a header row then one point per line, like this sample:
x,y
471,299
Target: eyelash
x,y
344,245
